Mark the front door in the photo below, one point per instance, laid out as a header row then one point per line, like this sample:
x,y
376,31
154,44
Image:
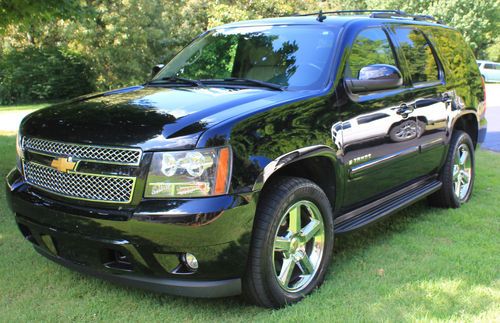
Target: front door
x,y
379,133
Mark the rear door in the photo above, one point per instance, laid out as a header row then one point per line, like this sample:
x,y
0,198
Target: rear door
x,y
430,100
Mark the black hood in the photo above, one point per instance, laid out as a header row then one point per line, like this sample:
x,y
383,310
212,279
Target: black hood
x,y
147,117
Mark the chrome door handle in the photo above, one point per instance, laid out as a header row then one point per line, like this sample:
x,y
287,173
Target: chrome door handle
x,y
405,109
446,98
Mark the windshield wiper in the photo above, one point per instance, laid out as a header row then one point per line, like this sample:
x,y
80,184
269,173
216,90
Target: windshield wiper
x,y
248,81
175,79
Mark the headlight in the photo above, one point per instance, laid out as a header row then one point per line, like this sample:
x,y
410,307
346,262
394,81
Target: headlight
x,y
20,153
194,173
19,148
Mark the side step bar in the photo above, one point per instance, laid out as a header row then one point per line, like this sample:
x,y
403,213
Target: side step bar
x,y
385,206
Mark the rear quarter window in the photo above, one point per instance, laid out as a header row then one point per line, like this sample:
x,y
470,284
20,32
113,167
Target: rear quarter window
x,y
462,72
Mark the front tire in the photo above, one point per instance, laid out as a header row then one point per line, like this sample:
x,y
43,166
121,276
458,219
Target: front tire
x,y
457,173
292,243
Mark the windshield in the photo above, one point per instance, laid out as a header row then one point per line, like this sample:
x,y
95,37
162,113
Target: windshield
x,y
296,57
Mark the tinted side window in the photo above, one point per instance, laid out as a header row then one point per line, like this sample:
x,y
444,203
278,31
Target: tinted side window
x,y
371,46
492,66
463,74
419,56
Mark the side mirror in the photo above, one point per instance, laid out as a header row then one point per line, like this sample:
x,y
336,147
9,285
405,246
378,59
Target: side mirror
x,y
376,77
156,69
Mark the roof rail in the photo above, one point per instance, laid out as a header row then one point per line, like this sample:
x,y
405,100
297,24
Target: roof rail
x,y
405,15
374,14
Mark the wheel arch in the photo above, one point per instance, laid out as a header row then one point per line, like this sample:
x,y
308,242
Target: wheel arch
x,y
317,163
468,123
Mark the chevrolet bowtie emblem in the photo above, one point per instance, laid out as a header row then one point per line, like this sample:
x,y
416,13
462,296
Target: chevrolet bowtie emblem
x,y
63,164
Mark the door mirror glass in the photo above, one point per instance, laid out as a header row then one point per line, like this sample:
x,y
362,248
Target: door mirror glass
x,y
375,77
156,69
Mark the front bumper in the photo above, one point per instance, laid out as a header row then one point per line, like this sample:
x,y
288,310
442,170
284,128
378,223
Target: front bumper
x,y
142,246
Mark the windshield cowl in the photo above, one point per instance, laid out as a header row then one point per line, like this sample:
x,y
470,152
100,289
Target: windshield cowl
x,y
232,82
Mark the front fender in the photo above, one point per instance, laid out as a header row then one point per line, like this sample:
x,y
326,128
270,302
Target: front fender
x,y
294,157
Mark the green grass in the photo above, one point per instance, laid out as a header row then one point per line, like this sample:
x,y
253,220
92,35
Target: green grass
x,y
19,107
421,264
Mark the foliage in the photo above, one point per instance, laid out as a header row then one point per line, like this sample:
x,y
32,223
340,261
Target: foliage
x,y
216,61
28,12
370,47
493,52
41,74
420,60
123,39
460,62
477,20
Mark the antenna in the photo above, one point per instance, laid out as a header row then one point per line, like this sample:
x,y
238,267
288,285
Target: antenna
x,y
321,16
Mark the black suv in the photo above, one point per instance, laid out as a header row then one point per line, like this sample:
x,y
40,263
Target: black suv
x,y
232,169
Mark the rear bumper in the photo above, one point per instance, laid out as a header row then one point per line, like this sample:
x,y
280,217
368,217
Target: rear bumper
x,y
151,237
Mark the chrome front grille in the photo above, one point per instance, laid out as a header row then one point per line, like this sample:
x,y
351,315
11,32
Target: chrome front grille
x,y
110,155
45,174
92,187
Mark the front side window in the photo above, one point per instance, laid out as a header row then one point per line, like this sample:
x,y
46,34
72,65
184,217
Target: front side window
x,y
296,57
371,46
419,55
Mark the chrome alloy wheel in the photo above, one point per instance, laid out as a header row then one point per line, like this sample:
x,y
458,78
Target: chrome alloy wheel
x,y
299,243
462,172
407,130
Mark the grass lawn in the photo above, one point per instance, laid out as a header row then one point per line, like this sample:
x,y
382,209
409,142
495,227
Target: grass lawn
x,y
421,264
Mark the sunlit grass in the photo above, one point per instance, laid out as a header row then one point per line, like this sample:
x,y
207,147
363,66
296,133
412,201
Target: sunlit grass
x,y
11,116
423,264
18,107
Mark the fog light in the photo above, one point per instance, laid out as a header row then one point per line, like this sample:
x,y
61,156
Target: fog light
x,y
190,261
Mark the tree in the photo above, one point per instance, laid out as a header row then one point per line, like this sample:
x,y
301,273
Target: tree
x,y
476,20
123,39
30,12
493,52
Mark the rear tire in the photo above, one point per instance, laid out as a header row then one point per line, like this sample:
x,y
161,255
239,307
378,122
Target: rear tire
x,y
292,243
457,174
